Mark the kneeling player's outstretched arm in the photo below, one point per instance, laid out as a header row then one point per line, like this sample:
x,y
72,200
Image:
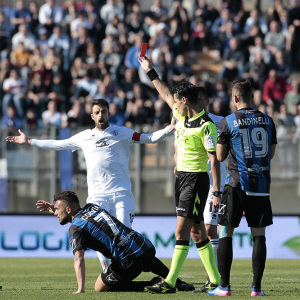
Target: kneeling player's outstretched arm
x,y
43,205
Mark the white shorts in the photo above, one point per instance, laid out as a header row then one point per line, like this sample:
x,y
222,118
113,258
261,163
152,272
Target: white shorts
x,y
121,205
210,216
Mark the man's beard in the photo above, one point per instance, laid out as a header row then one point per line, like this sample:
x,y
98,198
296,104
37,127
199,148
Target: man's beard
x,y
103,126
64,221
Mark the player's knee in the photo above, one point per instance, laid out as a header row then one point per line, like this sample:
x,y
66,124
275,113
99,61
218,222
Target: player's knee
x,y
211,232
100,289
100,286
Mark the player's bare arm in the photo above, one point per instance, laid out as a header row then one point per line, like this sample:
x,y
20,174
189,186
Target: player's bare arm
x,y
273,149
79,267
160,86
22,139
156,136
222,152
216,177
43,205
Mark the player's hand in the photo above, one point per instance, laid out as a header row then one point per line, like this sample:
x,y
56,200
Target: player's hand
x,y
21,139
43,205
216,202
173,123
78,292
145,63
175,171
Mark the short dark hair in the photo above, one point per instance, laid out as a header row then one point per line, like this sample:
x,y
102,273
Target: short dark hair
x,y
100,102
243,90
187,90
69,197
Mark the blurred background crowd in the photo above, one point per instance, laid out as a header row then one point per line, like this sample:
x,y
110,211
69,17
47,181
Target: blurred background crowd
x,y
56,56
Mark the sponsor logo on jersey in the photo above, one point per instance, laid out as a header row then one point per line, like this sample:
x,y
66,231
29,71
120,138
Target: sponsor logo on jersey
x,y
102,143
125,238
257,169
209,142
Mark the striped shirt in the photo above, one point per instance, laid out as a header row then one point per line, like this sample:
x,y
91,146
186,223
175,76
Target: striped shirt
x,y
94,228
249,134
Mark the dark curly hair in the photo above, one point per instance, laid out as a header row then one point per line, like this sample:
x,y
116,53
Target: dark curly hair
x,y
69,197
187,90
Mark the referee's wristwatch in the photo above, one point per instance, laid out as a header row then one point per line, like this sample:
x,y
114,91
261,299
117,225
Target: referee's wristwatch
x,y
217,193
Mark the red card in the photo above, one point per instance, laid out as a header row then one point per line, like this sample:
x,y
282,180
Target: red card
x,y
143,50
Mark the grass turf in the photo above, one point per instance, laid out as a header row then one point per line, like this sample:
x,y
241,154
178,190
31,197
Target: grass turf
x,y
36,278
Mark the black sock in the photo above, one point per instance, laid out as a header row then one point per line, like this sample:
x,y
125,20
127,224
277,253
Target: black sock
x,y
159,268
225,255
259,255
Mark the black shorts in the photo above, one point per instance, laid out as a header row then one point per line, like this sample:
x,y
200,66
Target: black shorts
x,y
258,210
120,273
191,190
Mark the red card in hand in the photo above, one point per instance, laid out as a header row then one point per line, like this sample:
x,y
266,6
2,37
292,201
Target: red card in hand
x,y
143,50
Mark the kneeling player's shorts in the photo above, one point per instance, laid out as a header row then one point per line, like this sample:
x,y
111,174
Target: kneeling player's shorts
x,y
119,273
191,190
209,214
234,202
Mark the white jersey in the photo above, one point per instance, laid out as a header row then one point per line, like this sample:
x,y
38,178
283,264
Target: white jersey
x,y
217,119
106,154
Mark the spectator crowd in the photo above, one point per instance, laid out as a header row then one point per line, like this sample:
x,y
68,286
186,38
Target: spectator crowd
x,y
55,58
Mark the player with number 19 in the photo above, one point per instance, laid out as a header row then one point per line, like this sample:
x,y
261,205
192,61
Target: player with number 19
x,y
248,140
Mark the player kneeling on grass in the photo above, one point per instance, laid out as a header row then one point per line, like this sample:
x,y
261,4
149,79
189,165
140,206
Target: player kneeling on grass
x,y
94,228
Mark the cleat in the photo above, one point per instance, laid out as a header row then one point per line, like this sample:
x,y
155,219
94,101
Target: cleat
x,y
206,287
160,288
257,292
183,286
155,280
220,291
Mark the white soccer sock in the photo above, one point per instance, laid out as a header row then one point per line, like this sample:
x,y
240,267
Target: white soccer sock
x,y
215,245
105,262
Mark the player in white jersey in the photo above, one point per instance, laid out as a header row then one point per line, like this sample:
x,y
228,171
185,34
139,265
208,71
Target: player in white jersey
x,y
106,151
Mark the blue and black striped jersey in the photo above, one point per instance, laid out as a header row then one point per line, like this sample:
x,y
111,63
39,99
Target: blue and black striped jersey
x,y
249,134
94,228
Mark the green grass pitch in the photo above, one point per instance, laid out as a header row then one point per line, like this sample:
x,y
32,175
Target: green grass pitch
x,y
37,278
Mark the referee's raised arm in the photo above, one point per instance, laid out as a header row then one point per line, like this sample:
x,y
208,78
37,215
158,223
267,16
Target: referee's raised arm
x,y
160,86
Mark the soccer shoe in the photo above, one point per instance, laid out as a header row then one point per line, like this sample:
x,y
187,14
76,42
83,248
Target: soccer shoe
x,y
220,291
183,286
206,287
160,288
155,280
257,292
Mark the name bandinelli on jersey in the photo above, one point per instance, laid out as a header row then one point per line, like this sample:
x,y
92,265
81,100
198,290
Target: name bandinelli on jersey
x,y
249,135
